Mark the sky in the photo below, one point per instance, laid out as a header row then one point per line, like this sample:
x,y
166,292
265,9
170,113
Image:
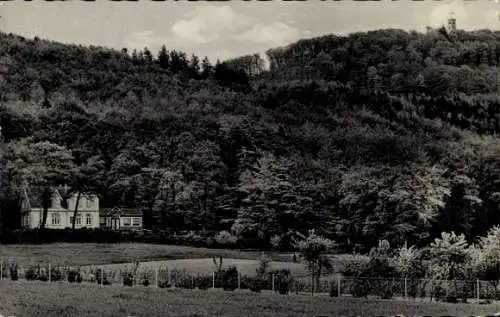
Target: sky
x,y
231,28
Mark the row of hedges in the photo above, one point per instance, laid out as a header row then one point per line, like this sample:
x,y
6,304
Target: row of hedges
x,y
68,235
284,283
228,279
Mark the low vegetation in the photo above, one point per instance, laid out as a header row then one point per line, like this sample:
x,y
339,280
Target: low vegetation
x,y
68,300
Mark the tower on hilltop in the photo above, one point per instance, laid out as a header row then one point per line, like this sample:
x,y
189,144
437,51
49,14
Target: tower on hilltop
x,y
451,24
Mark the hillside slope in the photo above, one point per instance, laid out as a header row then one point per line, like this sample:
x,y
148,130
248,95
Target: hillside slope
x,y
366,137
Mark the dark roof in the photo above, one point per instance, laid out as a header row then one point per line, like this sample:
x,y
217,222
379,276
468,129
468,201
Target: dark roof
x,y
121,211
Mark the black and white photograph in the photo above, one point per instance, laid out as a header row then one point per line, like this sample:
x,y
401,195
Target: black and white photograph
x,y
249,158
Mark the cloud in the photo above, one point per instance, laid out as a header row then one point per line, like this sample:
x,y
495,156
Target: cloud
x,y
139,40
275,34
217,32
209,23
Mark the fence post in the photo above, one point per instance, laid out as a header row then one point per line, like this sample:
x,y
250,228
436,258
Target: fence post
x,y
239,280
156,277
338,285
273,282
478,294
1,270
406,288
50,274
213,280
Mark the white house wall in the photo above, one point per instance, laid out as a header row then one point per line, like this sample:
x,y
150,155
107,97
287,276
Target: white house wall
x,y
123,219
35,217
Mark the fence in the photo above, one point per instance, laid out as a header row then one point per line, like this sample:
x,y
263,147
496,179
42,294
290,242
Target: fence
x,y
334,285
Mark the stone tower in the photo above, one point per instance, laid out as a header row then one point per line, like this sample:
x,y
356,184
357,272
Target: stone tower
x,y
451,24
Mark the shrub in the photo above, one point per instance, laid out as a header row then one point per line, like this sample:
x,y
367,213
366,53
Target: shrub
x,y
203,282
101,277
31,274
230,279
14,272
383,288
334,290
185,282
73,276
256,284
145,279
282,280
352,265
224,238
56,274
360,288
128,279
163,284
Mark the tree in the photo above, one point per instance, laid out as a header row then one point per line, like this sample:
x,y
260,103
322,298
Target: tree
x,y
449,254
43,166
206,67
86,179
148,56
488,260
313,250
194,66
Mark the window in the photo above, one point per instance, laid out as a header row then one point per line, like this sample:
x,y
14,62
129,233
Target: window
x,y
56,218
126,221
78,220
88,203
88,219
136,222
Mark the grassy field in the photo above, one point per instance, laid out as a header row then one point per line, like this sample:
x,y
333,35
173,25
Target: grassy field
x,y
62,299
80,254
206,266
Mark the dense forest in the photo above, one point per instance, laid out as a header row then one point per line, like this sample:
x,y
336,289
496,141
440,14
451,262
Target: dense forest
x,y
378,135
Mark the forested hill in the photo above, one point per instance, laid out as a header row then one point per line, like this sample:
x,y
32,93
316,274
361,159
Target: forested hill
x,y
378,135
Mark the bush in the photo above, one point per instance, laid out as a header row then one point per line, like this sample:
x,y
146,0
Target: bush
x,y
164,284
334,290
128,279
257,284
185,282
224,237
360,288
203,282
101,277
14,272
73,276
145,280
56,275
282,280
384,289
31,274
230,279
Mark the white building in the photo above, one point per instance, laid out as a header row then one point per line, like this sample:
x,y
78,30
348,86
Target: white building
x,y
120,218
59,217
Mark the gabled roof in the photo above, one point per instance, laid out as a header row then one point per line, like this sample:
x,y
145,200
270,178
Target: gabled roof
x,y
33,203
121,211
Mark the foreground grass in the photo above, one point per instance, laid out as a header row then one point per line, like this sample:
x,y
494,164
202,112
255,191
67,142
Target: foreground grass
x,y
80,254
62,299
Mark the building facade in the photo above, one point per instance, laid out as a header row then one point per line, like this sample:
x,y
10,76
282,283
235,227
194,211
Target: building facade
x,y
120,218
60,215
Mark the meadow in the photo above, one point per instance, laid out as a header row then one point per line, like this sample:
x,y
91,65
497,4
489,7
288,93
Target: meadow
x,y
84,254
62,299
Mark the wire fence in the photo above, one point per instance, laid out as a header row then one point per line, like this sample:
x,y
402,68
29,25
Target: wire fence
x,y
332,285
